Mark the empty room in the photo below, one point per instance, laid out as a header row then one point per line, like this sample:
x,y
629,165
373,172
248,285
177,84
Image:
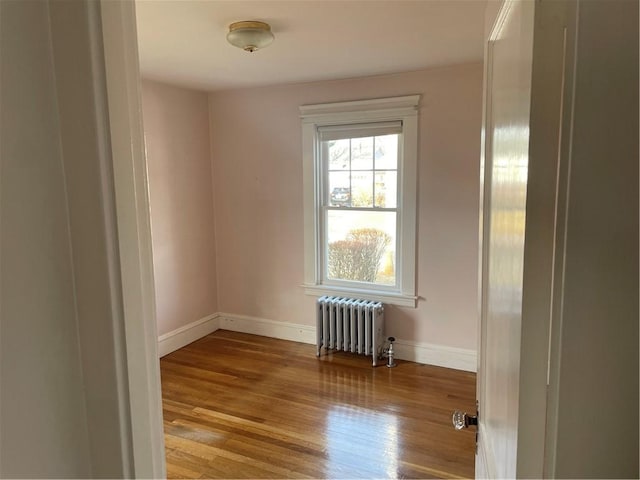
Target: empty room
x,y
317,179
319,239
395,90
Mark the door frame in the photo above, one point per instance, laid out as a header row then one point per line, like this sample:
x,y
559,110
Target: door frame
x,y
122,71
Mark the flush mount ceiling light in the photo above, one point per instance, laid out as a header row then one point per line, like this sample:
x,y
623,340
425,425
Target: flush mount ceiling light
x,y
250,35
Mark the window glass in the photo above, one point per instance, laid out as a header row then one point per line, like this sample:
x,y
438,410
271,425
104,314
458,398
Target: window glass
x,y
386,152
362,189
386,189
360,214
361,246
339,154
362,153
339,189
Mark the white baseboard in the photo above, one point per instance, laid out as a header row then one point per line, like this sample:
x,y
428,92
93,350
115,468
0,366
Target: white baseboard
x,y
183,336
430,354
268,328
438,355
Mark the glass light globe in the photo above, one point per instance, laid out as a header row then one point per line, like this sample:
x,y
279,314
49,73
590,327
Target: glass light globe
x,y
250,35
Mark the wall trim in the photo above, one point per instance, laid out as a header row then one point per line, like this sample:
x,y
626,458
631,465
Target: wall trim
x,y
268,328
419,352
183,336
437,355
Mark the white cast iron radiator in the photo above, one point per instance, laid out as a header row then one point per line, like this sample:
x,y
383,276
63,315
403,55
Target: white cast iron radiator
x,y
350,325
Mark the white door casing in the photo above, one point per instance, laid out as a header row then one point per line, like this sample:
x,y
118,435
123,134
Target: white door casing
x,y
134,233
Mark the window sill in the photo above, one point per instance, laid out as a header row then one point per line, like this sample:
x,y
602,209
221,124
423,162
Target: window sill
x,y
384,297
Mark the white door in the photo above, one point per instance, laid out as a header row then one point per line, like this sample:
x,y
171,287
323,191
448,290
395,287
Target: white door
x,y
505,167
527,87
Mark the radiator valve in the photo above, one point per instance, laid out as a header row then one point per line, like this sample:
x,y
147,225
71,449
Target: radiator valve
x,y
390,362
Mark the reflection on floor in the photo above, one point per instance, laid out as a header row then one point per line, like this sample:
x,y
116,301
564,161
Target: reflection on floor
x,y
363,427
243,406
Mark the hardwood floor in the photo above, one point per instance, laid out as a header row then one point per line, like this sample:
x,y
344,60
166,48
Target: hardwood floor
x,y
244,406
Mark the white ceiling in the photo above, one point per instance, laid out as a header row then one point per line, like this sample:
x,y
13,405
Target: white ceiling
x,y
183,42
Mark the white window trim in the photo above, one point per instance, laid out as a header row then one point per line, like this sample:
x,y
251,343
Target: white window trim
x,y
343,113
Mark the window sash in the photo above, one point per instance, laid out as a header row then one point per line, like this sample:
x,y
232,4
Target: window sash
x,y
326,134
326,170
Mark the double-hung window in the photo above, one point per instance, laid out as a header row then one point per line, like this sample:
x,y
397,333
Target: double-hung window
x,y
360,198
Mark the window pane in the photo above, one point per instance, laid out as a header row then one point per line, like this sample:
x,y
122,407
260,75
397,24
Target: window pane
x,y
339,190
339,154
362,153
362,189
386,189
386,148
361,246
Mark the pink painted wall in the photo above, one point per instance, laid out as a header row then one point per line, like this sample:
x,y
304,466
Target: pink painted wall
x,y
176,125
256,155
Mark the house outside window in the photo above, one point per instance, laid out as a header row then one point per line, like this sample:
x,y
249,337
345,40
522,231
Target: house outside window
x,y
360,198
